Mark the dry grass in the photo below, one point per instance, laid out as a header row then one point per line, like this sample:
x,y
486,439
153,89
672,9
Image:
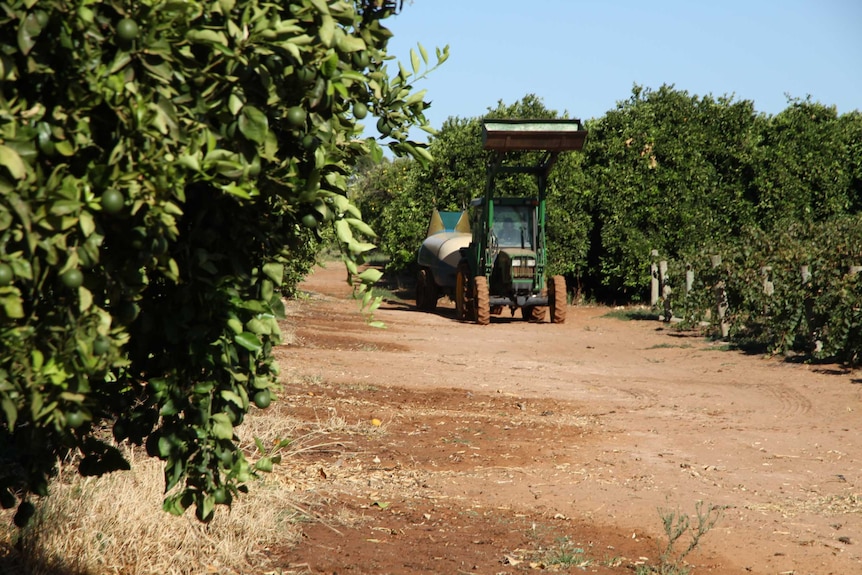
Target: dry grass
x,y
114,524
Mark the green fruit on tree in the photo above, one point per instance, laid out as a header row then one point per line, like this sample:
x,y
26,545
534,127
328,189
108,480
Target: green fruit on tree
x,y
220,495
383,127
127,312
127,30
305,75
296,116
360,110
112,201
226,457
262,398
6,274
72,278
309,221
360,60
102,345
309,142
74,419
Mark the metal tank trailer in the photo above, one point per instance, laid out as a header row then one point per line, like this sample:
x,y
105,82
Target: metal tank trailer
x,y
493,255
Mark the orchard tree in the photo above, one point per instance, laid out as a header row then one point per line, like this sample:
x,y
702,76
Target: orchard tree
x,y
165,168
807,165
669,171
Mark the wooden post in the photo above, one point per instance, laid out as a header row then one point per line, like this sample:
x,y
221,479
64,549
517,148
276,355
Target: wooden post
x,y
720,299
665,290
855,270
805,272
689,279
653,272
768,286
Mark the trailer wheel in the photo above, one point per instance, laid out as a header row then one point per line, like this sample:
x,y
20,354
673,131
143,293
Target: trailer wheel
x,y
482,301
557,299
462,291
426,291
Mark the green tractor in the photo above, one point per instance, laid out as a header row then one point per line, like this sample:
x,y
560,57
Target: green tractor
x,y
499,260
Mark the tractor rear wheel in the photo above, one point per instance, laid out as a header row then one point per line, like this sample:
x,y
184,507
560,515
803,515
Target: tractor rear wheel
x,y
557,299
482,300
426,291
462,291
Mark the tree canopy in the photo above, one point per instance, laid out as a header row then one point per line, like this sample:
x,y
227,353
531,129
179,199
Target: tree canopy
x,y
165,171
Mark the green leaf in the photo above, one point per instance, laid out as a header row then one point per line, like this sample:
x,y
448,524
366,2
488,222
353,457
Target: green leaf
x,y
207,37
234,103
13,306
235,325
321,6
249,341
11,412
65,148
232,397
327,30
13,162
342,230
371,275
174,505
274,271
27,33
361,226
348,43
221,426
263,464
253,124
414,60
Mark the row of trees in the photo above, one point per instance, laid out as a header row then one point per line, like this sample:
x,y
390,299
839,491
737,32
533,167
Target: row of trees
x,y
686,175
165,168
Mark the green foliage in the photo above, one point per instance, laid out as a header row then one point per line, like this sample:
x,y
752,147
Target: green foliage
x,y
156,162
806,165
665,171
771,304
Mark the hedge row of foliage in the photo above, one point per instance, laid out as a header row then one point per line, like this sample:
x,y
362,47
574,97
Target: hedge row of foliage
x,y
795,290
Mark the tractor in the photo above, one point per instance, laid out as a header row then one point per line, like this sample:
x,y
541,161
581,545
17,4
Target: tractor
x,y
493,255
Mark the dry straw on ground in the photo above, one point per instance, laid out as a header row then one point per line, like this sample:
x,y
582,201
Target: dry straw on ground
x,y
114,524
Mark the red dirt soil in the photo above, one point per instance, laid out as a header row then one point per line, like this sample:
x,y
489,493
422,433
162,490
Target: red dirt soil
x,y
518,446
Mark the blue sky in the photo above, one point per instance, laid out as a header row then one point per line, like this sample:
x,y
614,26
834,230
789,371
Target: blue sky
x,y
583,56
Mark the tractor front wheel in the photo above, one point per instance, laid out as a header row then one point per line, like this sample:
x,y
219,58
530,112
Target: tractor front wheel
x,y
557,299
482,300
536,313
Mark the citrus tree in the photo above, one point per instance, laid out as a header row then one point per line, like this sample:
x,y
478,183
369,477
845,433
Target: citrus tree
x,y
165,167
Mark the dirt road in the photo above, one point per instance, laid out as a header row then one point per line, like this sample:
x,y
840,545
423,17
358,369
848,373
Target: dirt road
x,y
516,446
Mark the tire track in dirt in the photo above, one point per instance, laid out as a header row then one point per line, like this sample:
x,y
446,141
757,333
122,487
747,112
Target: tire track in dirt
x,y
669,421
